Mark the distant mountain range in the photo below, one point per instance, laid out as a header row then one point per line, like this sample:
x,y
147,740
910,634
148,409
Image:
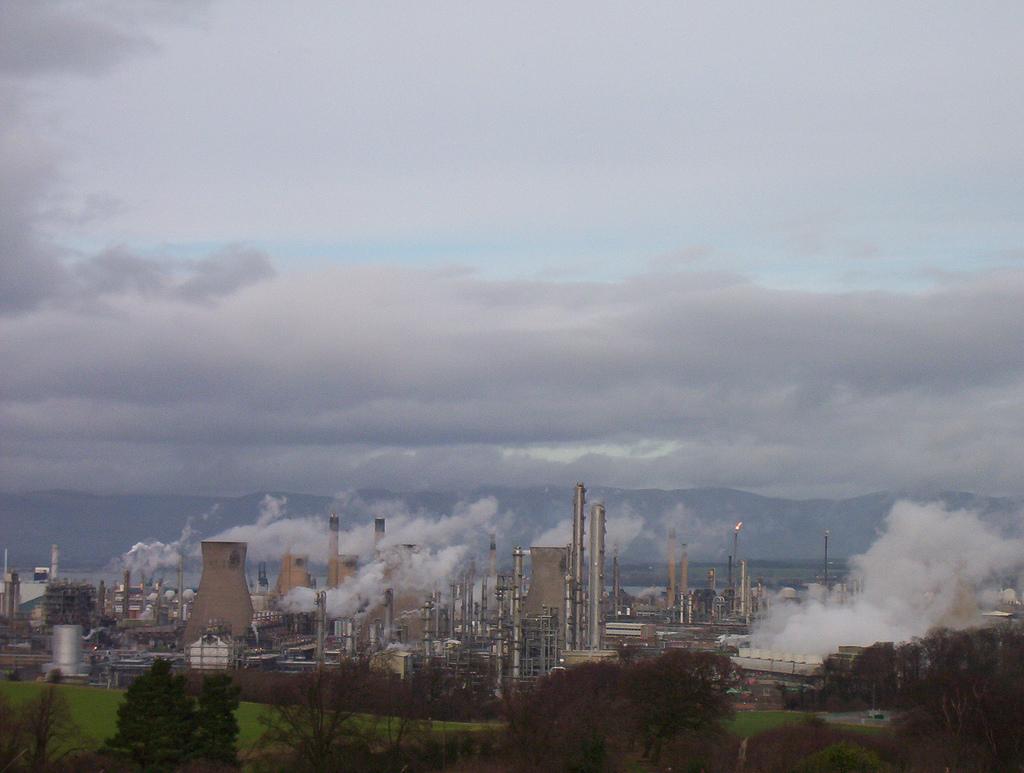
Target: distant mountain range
x,y
92,529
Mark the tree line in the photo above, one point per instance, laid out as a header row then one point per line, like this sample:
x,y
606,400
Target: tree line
x,y
959,696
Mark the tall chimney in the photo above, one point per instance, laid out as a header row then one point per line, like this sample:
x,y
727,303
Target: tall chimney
x,y
616,584
744,606
670,596
454,590
684,573
596,576
735,555
577,564
470,592
333,561
333,525
181,587
389,616
127,593
321,626
54,556
517,611
492,566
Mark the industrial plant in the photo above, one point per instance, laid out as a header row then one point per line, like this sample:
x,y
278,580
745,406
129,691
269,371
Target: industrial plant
x,y
526,612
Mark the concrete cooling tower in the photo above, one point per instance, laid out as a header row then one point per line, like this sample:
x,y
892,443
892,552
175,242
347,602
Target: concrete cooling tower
x,y
223,598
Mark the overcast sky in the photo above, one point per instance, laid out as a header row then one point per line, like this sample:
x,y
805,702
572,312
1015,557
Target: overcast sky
x,y
775,246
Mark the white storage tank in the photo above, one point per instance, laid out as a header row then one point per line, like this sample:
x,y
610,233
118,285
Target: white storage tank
x,y
67,650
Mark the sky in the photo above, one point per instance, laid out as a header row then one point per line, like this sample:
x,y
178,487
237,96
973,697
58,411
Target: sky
x,y
773,246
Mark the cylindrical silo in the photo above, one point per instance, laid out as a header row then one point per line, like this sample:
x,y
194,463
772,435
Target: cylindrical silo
x,y
67,649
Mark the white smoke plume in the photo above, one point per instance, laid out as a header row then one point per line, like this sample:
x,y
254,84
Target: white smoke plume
x,y
276,531
412,572
651,593
443,545
147,557
927,569
622,527
557,535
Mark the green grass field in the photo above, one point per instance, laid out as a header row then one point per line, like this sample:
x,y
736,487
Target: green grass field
x,y
749,723
94,710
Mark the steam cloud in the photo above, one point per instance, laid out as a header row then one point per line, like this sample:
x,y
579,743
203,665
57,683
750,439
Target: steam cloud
x,y
927,569
622,527
147,557
444,544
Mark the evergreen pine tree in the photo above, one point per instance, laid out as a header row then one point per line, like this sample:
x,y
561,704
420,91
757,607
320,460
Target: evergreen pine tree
x,y
216,726
156,721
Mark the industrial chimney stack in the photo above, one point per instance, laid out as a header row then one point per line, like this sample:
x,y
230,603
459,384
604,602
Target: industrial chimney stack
x,y
333,561
596,576
670,596
576,566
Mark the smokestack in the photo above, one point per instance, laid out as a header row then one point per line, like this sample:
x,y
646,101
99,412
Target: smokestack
x,y
616,584
389,615
378,534
483,604
54,556
684,572
744,607
333,526
827,589
492,566
181,587
735,554
333,561
596,576
127,593
517,611
470,592
670,596
426,615
577,564
321,626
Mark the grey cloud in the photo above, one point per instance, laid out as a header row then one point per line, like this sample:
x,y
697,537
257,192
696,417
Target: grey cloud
x,y
225,272
48,38
119,271
407,378
30,269
56,37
